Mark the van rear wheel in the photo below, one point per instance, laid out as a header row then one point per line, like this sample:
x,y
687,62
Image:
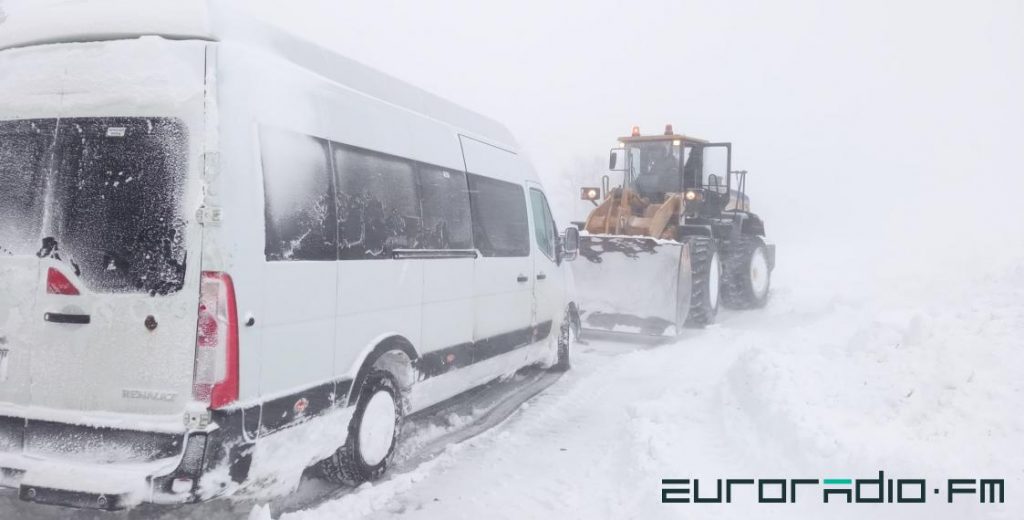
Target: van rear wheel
x,y
372,433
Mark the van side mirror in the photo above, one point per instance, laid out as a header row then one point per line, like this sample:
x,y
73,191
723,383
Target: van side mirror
x,y
571,243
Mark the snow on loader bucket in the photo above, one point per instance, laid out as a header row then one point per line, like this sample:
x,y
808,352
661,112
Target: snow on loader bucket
x,y
633,284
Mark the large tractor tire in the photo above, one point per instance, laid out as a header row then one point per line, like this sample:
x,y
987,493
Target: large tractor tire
x,y
747,279
707,271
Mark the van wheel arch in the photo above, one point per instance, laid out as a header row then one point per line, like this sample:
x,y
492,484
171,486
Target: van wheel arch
x,y
395,355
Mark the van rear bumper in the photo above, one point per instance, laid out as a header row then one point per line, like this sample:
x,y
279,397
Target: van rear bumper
x,y
112,469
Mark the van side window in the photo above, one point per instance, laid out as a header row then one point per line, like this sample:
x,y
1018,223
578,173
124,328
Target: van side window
x,y
300,214
378,204
543,224
500,225
447,223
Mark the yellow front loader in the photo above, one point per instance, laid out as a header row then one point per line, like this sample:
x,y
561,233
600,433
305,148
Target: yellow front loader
x,y
676,237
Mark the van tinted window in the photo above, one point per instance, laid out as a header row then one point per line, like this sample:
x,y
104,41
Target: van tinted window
x,y
115,212
378,204
300,213
447,223
500,225
543,223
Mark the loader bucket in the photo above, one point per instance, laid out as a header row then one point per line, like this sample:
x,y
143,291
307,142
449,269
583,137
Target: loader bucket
x,y
632,284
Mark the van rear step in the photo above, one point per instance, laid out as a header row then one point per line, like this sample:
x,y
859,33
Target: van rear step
x,y
77,499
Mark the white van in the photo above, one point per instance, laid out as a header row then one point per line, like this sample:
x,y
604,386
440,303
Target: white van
x,y
211,233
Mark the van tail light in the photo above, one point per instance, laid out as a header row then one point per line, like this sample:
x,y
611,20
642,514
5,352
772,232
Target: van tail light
x,y
57,283
216,374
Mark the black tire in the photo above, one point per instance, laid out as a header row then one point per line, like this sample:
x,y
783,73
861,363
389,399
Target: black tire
x,y
567,335
703,297
741,286
347,465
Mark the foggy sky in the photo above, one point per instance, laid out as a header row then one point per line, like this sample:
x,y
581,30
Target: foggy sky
x,y
850,115
856,119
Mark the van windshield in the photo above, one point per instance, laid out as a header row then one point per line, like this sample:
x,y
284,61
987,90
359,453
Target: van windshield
x,y
101,194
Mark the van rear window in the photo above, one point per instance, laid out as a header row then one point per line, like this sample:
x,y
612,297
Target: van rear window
x,y
25,148
102,194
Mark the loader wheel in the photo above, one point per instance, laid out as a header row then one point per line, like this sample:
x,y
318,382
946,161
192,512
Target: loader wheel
x,y
747,278
707,270
372,433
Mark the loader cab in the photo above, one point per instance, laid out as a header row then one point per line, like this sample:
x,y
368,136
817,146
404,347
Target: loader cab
x,y
661,165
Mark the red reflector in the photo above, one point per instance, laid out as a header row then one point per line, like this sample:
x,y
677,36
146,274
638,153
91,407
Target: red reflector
x,y
57,283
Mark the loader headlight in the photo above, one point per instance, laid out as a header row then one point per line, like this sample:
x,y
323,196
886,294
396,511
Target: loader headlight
x,y
692,195
591,194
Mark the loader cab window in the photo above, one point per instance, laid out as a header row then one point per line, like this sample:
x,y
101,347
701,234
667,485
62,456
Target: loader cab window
x,y
654,167
693,168
715,168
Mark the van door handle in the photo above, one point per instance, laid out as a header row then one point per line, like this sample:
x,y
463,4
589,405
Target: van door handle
x,y
72,319
542,276
522,278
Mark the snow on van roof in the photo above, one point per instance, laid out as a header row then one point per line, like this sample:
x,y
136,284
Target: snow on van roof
x,y
34,22
38,22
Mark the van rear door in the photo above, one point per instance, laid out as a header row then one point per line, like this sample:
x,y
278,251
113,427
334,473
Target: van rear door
x,y
25,149
96,236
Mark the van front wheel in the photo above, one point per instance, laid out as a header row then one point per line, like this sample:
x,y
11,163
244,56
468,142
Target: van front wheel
x,y
372,433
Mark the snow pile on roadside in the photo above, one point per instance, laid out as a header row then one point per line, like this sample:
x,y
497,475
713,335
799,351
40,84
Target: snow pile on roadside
x,y
895,387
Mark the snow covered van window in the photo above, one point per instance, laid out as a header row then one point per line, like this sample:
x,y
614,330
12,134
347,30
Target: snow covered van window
x,y
101,194
24,153
297,183
500,226
378,204
446,216
383,203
